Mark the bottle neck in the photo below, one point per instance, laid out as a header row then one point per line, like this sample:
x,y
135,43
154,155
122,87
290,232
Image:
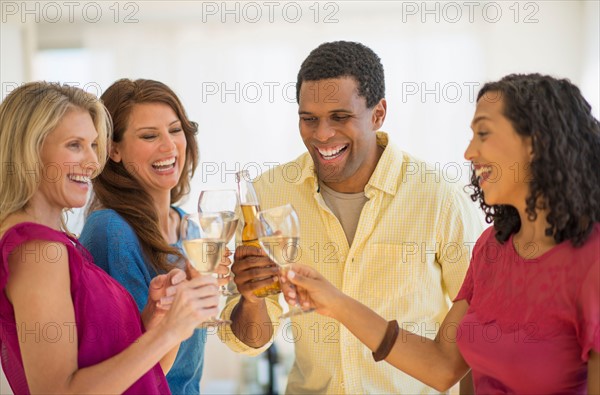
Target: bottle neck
x,y
249,212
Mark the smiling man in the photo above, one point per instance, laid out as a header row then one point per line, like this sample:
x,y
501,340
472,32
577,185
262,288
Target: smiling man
x,y
378,223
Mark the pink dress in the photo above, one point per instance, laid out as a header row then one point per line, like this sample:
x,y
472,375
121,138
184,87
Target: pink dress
x,y
531,323
106,318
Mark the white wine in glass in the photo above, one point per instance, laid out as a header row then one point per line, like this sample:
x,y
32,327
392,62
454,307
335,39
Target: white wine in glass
x,y
225,202
282,250
230,223
203,239
278,232
205,254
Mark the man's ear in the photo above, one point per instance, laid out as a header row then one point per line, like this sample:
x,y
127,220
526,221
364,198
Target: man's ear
x,y
115,153
378,114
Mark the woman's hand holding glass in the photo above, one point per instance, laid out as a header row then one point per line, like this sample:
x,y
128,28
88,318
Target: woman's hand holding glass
x,y
311,290
194,303
179,304
203,238
161,294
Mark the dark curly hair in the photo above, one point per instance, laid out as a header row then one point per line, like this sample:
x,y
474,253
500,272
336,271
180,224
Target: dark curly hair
x,y
116,188
566,153
345,59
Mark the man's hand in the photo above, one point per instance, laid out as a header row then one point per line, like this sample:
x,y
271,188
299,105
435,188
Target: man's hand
x,y
253,270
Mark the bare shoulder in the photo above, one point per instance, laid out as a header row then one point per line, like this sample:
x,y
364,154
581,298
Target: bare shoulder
x,y
38,253
37,266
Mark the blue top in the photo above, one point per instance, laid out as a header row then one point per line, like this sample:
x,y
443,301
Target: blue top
x,y
116,249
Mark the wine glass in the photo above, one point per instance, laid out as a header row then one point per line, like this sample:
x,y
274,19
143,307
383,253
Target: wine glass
x,y
202,236
225,202
278,231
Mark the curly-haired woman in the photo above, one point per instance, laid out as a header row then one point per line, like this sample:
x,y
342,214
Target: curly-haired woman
x,y
527,319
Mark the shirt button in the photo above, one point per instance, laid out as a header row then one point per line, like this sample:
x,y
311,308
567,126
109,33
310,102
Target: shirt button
x,y
342,384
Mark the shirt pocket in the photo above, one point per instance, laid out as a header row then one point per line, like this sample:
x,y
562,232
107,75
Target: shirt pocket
x,y
394,269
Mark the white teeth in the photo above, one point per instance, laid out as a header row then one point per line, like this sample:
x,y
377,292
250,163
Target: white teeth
x,y
481,170
328,152
79,178
166,162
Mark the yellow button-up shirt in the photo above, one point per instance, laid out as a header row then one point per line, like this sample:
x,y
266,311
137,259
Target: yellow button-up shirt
x,y
407,261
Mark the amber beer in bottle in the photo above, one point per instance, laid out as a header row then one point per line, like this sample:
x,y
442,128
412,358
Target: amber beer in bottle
x,y
250,206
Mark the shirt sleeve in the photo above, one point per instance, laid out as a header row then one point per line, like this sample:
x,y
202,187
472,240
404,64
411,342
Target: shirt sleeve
x,y
116,249
457,232
228,337
466,290
588,332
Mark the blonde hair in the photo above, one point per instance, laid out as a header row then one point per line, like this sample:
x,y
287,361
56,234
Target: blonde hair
x,y
27,116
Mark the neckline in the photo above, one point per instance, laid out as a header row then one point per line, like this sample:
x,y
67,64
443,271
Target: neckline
x,y
29,223
543,256
341,195
180,213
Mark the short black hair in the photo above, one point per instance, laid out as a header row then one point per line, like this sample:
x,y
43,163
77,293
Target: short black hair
x,y
345,59
566,152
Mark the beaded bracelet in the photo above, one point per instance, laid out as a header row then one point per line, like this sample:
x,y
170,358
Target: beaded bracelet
x,y
389,339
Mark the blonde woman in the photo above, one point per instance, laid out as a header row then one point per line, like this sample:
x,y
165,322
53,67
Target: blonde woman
x,y
66,326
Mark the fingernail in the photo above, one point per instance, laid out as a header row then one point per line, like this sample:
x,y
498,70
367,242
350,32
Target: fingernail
x,y
291,274
171,291
292,295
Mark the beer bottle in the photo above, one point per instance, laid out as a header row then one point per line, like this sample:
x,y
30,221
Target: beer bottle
x,y
250,207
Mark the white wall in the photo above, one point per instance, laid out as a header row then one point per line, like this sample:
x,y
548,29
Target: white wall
x,y
188,46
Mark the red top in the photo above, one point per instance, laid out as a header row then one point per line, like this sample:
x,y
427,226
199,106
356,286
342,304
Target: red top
x,y
531,323
106,317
